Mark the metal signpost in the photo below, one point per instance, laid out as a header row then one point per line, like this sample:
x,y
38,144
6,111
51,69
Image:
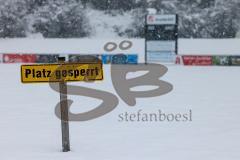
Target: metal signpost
x,y
64,112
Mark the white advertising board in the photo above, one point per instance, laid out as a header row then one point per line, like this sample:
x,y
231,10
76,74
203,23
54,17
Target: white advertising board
x,y
161,57
161,45
161,19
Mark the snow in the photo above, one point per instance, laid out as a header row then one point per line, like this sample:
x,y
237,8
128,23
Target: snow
x,y
30,130
209,46
69,46
152,11
104,25
96,46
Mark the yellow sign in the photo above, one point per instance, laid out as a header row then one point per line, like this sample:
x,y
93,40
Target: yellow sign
x,y
61,72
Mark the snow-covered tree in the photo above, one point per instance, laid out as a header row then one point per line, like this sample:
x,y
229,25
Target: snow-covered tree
x,y
12,19
62,19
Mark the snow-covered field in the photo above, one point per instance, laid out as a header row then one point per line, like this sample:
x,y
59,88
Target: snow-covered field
x,y
30,129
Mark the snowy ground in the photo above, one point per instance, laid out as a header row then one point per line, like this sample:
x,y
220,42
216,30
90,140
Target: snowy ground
x,y
30,130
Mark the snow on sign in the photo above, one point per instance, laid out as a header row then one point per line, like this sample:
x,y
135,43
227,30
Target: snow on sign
x,y
61,72
161,19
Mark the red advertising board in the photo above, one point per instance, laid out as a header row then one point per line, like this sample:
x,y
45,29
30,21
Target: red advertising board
x,y
1,60
19,58
178,60
197,60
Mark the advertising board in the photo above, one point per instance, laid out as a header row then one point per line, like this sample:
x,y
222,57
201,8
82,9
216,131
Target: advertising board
x,y
235,60
221,60
19,58
197,60
162,57
153,19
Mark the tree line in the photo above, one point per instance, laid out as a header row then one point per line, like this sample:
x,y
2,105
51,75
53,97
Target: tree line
x,y
67,18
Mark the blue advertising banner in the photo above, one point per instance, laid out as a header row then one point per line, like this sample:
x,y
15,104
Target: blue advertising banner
x,y
120,59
